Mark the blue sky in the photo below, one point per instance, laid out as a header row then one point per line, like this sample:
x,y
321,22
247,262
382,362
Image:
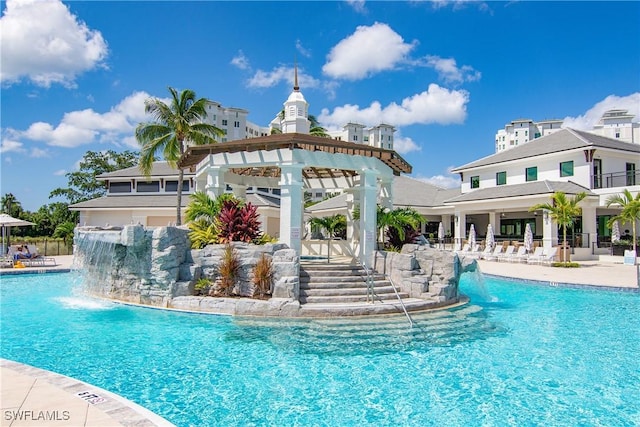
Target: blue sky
x,y
447,74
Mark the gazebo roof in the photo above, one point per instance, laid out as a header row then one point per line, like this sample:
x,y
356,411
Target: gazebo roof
x,y
195,154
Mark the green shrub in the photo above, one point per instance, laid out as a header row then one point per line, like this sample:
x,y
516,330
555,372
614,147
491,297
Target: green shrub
x,y
566,264
202,286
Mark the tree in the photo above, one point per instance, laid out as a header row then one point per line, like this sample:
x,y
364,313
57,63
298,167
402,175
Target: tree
x,y
333,225
83,184
10,205
203,207
630,210
65,231
315,128
175,126
563,211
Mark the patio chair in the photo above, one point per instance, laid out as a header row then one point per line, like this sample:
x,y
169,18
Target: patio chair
x,y
474,252
508,253
550,256
465,249
520,256
536,256
485,253
495,254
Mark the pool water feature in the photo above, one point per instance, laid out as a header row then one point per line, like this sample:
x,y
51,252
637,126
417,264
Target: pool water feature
x,y
517,354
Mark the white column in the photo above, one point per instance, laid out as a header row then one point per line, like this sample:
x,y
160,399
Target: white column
x,y
494,218
291,205
549,230
460,230
589,225
215,181
446,222
368,212
353,200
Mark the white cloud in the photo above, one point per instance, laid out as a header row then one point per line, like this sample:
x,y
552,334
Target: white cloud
x,y
302,50
43,42
241,61
10,145
60,172
459,4
448,180
404,145
611,102
435,105
367,51
357,5
88,126
281,74
449,72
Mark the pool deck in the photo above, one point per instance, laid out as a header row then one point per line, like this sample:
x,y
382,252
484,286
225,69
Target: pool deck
x,y
589,274
35,397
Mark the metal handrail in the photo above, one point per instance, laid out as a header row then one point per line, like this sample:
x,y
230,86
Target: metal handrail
x,y
406,313
371,291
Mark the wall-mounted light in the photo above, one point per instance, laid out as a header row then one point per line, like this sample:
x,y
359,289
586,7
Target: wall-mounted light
x,y
456,219
545,215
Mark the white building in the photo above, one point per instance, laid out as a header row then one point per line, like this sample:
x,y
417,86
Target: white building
x,y
615,124
500,189
380,136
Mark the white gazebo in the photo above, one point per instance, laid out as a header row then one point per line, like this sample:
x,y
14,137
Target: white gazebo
x,y
294,162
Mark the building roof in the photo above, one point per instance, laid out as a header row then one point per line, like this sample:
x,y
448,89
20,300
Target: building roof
x,y
195,154
138,201
407,191
520,190
159,169
133,201
563,140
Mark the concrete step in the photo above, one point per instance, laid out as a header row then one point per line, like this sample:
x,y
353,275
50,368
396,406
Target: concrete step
x,y
338,299
322,309
342,284
360,290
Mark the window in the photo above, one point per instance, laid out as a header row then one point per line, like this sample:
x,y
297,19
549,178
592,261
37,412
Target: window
x,y
516,133
119,187
617,134
172,186
532,173
501,178
224,122
566,168
236,124
631,173
526,133
536,135
148,187
475,182
355,137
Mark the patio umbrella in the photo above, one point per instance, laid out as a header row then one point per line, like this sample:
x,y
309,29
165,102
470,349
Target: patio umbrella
x,y
491,239
472,236
615,232
528,238
440,232
6,222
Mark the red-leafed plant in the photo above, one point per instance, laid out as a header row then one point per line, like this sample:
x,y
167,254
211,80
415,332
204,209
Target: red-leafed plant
x,y
238,223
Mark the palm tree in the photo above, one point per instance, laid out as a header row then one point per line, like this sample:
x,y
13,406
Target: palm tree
x,y
332,225
66,231
175,126
630,210
315,128
563,211
399,219
203,207
10,205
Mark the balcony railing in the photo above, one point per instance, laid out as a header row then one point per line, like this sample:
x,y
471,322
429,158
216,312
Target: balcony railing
x,y
615,179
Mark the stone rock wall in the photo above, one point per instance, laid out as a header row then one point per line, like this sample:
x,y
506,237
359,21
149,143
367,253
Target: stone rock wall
x,y
425,272
154,266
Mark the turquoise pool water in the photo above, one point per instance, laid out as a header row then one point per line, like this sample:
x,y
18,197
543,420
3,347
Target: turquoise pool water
x,y
518,354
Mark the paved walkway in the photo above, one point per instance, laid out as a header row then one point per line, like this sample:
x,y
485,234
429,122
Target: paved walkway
x,y
35,397
590,273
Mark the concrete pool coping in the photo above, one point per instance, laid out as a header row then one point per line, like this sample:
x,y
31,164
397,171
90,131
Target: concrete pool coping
x,y
35,397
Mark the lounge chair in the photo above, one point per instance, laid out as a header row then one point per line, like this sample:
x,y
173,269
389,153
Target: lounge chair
x,y
485,253
475,252
536,256
507,254
550,256
36,259
520,256
465,249
495,254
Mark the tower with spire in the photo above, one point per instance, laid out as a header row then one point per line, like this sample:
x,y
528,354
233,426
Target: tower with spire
x,y
296,110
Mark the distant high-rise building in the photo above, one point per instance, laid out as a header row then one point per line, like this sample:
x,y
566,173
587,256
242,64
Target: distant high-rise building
x,y
616,124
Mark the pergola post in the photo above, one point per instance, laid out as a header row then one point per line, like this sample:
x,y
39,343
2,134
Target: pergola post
x,y
460,228
368,212
215,182
386,192
291,203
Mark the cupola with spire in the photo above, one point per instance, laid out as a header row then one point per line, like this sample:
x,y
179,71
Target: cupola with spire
x,y
296,110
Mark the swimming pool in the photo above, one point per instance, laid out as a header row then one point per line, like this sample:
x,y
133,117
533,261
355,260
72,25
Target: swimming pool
x,y
518,354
